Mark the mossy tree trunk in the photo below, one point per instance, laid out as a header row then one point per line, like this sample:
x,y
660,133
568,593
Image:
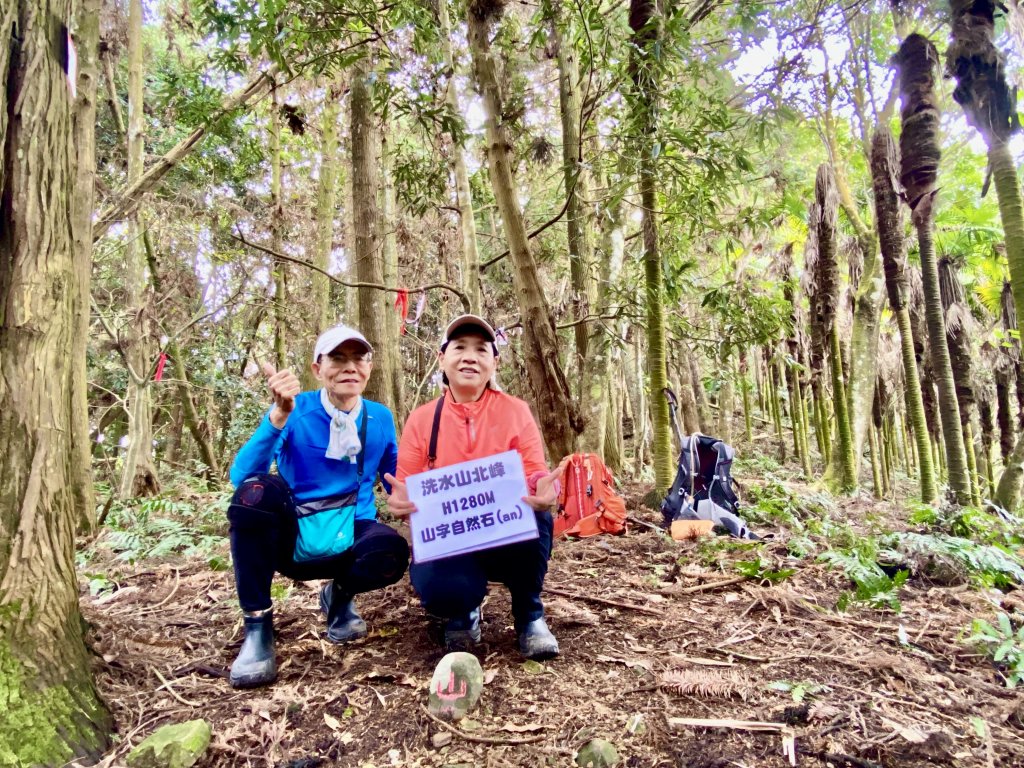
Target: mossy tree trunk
x,y
825,299
645,22
50,712
560,420
885,180
919,148
577,187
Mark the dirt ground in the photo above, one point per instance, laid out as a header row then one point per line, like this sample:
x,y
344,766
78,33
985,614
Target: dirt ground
x,y
651,630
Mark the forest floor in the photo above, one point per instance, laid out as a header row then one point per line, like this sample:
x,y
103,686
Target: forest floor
x,y
650,630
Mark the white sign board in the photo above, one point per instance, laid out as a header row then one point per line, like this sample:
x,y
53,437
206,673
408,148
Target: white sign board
x,y
470,506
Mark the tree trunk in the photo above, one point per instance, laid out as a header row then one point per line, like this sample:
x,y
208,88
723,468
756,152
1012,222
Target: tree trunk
x,y
390,330
700,397
86,38
138,474
326,208
369,259
885,175
51,712
949,410
919,148
281,308
576,186
559,418
687,403
470,257
598,364
645,22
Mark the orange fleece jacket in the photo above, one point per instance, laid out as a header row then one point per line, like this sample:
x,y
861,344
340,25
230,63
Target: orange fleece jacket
x,y
493,424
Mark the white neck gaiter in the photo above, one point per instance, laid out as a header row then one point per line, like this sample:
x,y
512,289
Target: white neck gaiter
x,y
344,443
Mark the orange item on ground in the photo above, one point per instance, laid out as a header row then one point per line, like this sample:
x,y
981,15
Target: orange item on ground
x,y
588,504
691,529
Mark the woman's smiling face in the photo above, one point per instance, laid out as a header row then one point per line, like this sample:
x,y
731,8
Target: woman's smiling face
x,y
469,363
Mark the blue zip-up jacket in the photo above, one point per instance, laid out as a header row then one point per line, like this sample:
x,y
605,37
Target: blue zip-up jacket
x,y
299,450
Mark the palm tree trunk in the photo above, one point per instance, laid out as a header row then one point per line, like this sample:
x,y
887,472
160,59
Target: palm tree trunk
x,y
949,408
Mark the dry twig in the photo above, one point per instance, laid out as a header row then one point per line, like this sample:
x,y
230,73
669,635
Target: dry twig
x,y
478,739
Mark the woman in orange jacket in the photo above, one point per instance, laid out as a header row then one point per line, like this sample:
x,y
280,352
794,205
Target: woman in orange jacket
x,y
476,420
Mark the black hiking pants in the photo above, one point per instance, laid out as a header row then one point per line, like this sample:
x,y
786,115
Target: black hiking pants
x,y
263,531
452,587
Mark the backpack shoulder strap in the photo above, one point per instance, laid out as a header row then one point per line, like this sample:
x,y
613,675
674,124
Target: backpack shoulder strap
x,y
432,449
362,443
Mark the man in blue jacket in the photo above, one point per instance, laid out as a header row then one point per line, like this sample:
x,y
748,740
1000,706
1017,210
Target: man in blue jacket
x,y
330,446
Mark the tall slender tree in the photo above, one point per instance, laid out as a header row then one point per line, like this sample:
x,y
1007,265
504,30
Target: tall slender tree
x,y
366,225
470,261
917,61
138,473
989,104
560,420
51,712
825,302
885,166
645,20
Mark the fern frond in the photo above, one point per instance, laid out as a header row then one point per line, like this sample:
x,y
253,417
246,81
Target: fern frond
x,y
704,682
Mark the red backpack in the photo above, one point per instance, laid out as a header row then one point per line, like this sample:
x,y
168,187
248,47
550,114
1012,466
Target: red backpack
x,y
588,504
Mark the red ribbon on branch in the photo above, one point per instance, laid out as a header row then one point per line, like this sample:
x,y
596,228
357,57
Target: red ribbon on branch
x,y
402,307
159,374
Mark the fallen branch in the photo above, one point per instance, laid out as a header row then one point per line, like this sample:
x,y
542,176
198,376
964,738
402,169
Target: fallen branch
x,y
645,524
787,733
602,601
709,586
478,739
127,201
377,286
173,692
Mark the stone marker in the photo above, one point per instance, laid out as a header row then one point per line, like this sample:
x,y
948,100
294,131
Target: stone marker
x,y
172,746
456,685
597,753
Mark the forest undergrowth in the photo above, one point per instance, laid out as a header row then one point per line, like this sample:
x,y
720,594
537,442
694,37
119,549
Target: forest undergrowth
x,y
876,633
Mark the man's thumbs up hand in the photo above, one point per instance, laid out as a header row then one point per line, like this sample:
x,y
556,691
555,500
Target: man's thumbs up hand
x,y
284,386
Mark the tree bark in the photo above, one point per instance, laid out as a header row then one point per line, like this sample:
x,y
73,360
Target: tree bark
x,y
584,295
326,208
885,180
138,474
389,253
86,36
598,364
646,25
470,257
560,420
51,712
368,255
281,308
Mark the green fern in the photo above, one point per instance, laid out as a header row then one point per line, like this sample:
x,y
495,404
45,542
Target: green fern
x,y
873,585
953,558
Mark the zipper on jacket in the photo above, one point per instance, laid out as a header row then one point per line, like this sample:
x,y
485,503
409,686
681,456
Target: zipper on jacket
x,y
472,431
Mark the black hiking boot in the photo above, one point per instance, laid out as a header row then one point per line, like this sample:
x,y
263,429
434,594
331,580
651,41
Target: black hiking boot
x,y
536,641
344,623
255,664
463,633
